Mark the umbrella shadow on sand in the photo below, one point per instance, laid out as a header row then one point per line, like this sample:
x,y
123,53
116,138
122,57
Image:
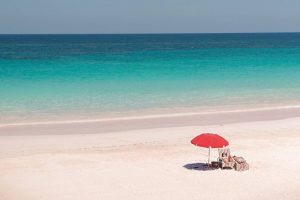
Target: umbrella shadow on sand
x,y
198,166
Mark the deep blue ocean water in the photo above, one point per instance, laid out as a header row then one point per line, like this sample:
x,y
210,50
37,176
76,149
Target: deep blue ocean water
x,y
48,76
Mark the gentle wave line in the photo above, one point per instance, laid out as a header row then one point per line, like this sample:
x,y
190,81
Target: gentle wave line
x,y
155,116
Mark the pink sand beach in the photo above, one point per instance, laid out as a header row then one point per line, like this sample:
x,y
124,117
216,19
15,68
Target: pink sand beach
x,y
151,158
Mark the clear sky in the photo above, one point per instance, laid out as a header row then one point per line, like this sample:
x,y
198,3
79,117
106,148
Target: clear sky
x,y
149,16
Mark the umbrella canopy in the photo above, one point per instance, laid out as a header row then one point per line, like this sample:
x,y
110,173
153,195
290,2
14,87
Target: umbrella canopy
x,y
210,140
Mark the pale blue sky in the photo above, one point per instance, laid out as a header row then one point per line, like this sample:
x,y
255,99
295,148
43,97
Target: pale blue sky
x,y
148,16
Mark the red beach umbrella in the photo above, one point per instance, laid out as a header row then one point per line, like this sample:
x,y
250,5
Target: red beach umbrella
x,y
210,140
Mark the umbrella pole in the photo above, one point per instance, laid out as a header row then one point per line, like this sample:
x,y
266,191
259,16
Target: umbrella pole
x,y
208,155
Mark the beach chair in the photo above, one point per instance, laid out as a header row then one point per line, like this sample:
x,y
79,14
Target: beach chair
x,y
225,159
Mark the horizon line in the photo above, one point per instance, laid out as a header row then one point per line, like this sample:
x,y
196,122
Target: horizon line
x,y
163,33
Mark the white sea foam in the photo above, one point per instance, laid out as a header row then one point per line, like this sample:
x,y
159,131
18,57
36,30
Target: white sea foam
x,y
149,116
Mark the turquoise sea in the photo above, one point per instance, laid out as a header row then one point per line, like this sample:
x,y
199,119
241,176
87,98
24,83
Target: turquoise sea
x,y
62,77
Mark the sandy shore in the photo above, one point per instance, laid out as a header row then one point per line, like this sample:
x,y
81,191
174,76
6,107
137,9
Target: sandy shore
x,y
97,161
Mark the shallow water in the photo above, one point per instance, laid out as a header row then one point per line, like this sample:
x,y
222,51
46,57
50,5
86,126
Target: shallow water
x,y
71,76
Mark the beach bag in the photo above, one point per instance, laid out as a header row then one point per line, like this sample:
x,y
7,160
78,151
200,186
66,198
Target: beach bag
x,y
239,159
241,164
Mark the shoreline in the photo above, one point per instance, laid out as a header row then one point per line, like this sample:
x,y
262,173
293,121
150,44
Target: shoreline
x,y
149,121
147,116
